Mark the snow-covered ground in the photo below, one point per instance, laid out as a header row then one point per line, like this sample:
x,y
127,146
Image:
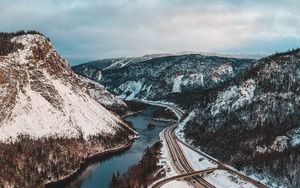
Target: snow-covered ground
x,y
166,160
222,178
267,180
131,87
49,102
295,135
176,184
219,178
179,130
177,83
197,161
187,80
35,116
220,71
234,97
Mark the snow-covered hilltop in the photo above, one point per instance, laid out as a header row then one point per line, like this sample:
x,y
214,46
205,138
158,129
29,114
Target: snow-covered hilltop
x,y
51,119
41,96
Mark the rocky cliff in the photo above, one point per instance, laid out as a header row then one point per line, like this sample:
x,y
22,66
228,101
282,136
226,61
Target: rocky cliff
x,y
50,118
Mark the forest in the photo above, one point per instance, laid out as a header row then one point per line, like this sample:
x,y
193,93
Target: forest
x,y
7,46
30,162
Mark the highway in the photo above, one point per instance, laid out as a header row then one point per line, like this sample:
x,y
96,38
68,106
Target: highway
x,y
182,176
182,165
222,166
179,161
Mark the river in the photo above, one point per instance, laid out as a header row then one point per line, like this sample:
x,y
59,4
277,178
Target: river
x,y
100,174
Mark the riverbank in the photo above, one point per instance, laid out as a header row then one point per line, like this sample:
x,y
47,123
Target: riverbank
x,y
97,157
144,173
100,175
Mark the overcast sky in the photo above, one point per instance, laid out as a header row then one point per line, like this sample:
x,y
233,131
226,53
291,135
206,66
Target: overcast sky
x,y
95,29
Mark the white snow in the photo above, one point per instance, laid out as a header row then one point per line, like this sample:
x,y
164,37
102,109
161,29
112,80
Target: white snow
x,y
118,64
261,149
295,136
99,93
196,78
280,143
148,89
165,159
197,161
177,83
222,178
179,129
168,167
35,116
99,76
266,179
177,184
234,97
187,80
131,87
221,71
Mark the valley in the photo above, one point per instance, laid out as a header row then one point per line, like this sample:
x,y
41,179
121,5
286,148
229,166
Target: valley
x,y
238,116
235,119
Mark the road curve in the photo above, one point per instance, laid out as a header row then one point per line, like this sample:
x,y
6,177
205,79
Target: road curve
x,y
179,160
182,176
220,165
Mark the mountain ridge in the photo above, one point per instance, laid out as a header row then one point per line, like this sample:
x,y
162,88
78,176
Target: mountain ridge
x,y
165,75
51,119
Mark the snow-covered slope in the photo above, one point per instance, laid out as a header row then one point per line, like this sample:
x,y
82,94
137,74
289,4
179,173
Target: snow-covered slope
x,y
155,77
41,96
252,122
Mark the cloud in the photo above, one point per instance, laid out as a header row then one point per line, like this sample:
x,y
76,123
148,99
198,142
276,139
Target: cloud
x,y
86,30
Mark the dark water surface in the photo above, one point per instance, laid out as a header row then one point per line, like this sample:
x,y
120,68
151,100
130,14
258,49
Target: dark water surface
x,y
99,175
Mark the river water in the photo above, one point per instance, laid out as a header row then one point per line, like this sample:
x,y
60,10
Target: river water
x,y
99,175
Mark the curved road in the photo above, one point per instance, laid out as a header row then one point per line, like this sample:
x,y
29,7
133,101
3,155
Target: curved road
x,y
181,163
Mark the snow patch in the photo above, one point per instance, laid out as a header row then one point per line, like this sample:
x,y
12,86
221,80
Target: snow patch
x,y
119,64
280,143
176,85
187,80
179,129
165,158
35,116
196,78
177,184
197,161
295,136
222,178
99,76
219,72
234,97
261,149
130,89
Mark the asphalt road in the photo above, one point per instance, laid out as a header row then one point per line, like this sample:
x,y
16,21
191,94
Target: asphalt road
x,y
181,164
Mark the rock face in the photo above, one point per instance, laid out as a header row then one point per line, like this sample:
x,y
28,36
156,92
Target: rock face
x,y
156,78
253,121
41,96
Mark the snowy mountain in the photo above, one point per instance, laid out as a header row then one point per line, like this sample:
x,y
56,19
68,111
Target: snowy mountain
x,y
41,96
51,119
159,77
243,112
252,122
